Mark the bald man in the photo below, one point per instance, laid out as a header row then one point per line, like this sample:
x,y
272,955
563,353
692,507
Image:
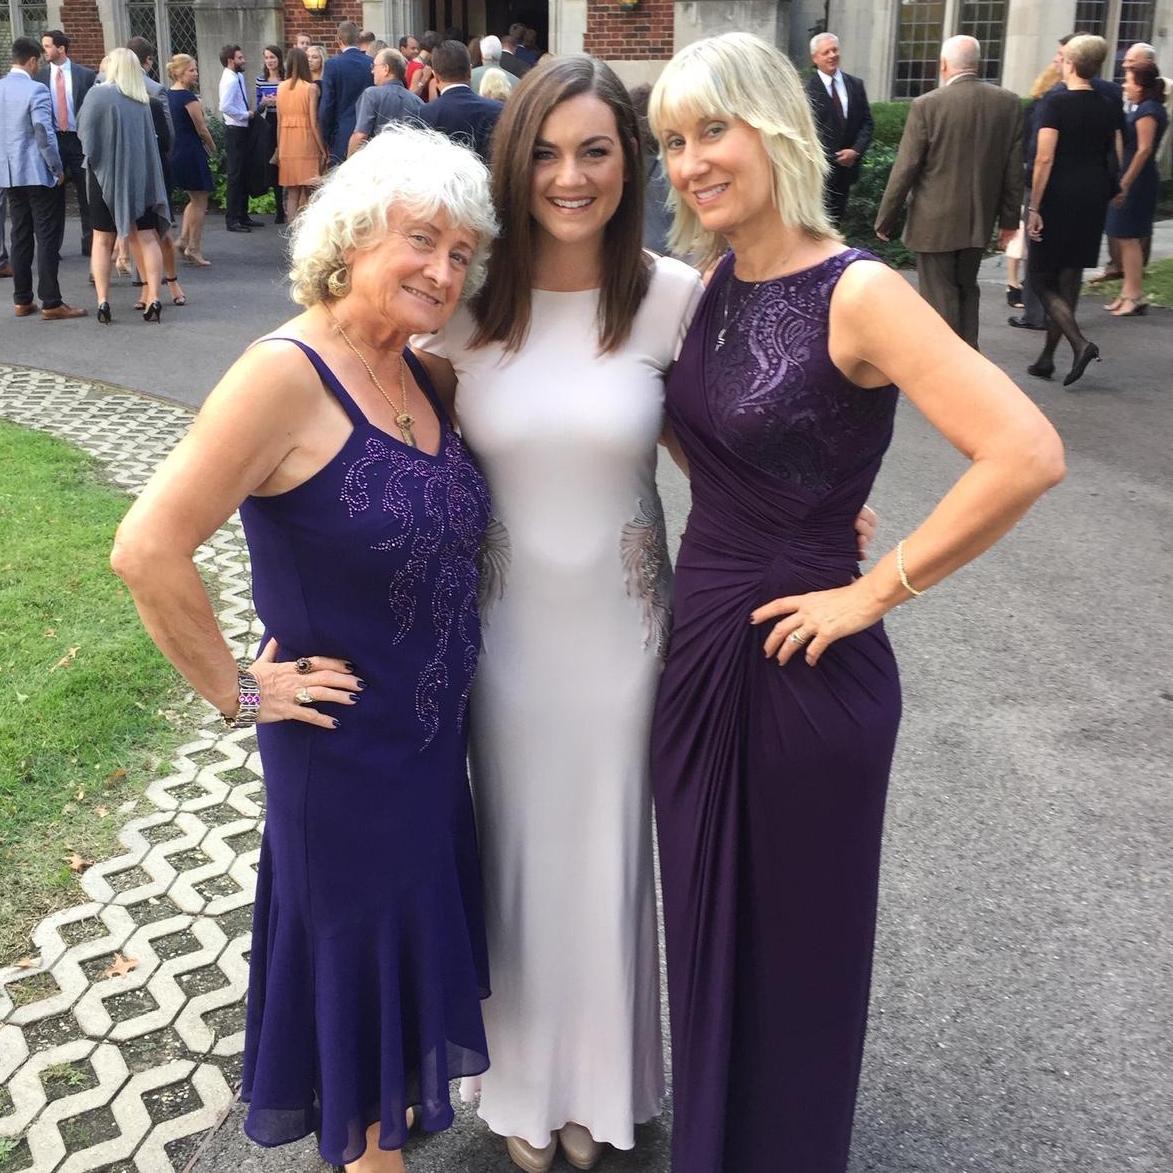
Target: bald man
x,y
959,169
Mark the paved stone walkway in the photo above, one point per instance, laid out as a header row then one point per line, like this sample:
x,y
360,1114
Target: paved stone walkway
x,y
128,1073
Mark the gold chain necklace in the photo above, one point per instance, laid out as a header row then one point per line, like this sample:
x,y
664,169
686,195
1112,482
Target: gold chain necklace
x,y
404,420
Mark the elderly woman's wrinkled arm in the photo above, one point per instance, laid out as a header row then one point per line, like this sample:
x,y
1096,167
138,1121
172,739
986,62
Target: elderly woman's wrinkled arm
x,y
883,332
240,438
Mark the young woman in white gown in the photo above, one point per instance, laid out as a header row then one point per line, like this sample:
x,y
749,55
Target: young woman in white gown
x,y
557,376
557,372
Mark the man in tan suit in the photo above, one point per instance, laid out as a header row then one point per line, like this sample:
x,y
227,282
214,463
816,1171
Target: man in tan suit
x,y
960,168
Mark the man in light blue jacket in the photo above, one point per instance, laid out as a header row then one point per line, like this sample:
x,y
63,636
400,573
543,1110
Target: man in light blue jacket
x,y
31,170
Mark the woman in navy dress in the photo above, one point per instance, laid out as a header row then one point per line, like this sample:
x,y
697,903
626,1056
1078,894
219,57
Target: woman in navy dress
x,y
780,700
364,514
1130,218
190,152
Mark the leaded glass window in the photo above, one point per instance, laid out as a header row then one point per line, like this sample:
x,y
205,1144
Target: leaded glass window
x,y
919,34
986,20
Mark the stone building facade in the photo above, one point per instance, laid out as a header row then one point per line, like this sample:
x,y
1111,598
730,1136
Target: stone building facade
x,y
891,44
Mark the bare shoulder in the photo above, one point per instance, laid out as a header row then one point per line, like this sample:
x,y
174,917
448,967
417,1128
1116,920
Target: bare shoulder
x,y
869,287
273,374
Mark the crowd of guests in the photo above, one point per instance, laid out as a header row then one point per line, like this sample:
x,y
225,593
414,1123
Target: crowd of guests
x,y
306,112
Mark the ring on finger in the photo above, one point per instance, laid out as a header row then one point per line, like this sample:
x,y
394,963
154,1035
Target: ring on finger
x,y
799,637
303,697
303,665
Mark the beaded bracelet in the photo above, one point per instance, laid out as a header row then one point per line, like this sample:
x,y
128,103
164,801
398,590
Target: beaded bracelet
x,y
903,575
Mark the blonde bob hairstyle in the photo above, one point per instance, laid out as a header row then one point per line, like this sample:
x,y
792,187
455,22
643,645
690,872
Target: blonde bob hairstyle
x,y
738,75
403,171
179,65
124,72
1086,54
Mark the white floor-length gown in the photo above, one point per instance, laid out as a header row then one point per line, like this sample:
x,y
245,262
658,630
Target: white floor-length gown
x,y
575,604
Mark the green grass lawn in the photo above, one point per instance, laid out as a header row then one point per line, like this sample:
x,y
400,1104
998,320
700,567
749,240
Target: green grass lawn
x,y
88,707
1158,285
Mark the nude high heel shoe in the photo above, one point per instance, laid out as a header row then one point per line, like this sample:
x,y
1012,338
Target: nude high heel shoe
x,y
579,1147
525,1156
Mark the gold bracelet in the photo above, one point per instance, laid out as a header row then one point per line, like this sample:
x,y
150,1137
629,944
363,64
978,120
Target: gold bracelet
x,y
900,571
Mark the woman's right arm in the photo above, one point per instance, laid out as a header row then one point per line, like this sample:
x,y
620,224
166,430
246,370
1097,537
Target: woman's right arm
x,y
196,113
248,427
1044,160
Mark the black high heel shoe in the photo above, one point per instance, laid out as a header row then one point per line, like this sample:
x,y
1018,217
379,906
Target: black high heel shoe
x,y
1041,370
1087,353
104,315
153,312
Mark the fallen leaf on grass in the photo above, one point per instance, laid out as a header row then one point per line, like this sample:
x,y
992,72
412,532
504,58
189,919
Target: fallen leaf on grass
x,y
50,632
21,697
121,966
80,796
101,811
66,659
78,863
28,963
116,775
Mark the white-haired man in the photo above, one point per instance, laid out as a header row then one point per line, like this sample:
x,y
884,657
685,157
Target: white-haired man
x,y
959,168
491,56
843,118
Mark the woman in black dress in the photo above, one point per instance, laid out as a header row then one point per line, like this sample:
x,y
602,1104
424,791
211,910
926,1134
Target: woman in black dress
x,y
1071,187
1130,218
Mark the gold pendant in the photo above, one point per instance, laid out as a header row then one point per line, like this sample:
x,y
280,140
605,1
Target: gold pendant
x,y
405,422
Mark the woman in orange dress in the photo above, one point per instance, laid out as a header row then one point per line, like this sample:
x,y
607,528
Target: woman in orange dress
x,y
301,153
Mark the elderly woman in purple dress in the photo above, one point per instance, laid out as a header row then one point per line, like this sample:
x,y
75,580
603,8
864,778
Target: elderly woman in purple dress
x,y
364,514
780,700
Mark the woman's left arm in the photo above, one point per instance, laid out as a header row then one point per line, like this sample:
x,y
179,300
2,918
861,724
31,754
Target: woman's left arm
x,y
881,332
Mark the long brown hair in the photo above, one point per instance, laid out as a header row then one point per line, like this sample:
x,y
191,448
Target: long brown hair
x,y
503,308
297,67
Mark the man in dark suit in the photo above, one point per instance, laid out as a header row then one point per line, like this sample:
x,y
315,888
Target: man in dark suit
x,y
960,169
843,118
344,78
463,116
68,83
510,61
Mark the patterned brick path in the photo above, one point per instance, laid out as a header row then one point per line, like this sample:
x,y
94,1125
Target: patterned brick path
x,y
126,1074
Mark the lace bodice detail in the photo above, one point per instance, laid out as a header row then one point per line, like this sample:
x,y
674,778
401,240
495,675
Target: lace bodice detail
x,y
776,398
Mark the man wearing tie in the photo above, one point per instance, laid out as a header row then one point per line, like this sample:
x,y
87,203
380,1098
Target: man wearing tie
x,y
236,114
30,169
843,118
68,83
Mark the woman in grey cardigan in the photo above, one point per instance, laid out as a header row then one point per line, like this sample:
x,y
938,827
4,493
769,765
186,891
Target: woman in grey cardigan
x,y
125,178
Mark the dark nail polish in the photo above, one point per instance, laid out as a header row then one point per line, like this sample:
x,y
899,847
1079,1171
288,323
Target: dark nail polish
x,y
337,723
354,697
360,684
349,666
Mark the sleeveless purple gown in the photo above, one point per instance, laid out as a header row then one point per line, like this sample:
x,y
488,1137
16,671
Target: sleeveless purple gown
x,y
769,782
368,958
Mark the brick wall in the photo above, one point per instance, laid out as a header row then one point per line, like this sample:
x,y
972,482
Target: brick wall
x,y
638,34
322,26
79,21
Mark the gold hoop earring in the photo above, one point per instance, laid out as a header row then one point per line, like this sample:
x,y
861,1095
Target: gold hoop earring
x,y
338,283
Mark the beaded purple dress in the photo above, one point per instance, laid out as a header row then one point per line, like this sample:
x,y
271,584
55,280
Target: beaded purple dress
x,y
368,958
769,782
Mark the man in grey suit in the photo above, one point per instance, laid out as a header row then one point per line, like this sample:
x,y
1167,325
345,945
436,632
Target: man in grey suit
x,y
31,170
145,52
959,167
68,83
